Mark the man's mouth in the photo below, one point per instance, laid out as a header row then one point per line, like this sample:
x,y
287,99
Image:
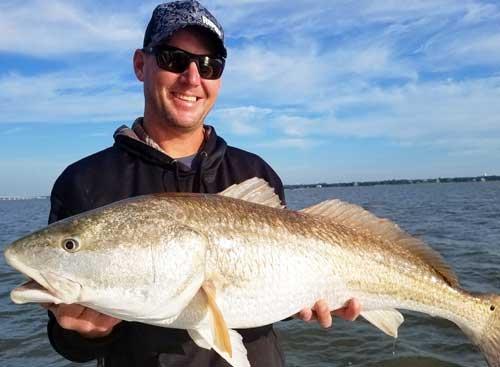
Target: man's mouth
x,y
185,97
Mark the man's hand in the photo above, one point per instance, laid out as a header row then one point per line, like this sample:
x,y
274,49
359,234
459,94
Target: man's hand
x,y
321,312
87,322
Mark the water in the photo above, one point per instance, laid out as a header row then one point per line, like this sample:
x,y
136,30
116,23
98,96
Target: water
x,y
460,220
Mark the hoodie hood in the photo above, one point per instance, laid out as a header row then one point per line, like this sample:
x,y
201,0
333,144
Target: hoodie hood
x,y
136,142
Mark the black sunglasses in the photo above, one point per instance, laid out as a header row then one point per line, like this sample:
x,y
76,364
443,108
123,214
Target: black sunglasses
x,y
177,61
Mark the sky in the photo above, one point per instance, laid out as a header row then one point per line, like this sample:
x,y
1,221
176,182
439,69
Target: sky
x,y
324,90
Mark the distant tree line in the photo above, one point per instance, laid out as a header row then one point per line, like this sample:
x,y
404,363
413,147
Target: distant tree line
x,y
398,182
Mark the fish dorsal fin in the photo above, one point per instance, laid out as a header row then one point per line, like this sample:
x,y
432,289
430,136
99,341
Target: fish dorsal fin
x,y
386,320
357,218
255,190
219,327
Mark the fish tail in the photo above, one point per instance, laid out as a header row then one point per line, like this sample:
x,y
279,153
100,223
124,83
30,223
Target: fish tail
x,y
488,339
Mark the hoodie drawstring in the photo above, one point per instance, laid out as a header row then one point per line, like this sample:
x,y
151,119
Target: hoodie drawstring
x,y
200,172
176,175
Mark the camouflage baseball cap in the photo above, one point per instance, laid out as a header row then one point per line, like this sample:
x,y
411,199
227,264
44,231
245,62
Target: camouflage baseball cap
x,y
168,18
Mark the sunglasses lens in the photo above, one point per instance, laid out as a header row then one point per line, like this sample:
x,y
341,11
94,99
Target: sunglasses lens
x,y
177,61
174,61
210,68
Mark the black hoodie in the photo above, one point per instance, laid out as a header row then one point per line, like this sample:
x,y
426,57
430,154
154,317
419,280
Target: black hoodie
x,y
131,168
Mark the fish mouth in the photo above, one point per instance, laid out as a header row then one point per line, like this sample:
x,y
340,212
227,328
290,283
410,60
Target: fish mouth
x,y
31,291
42,287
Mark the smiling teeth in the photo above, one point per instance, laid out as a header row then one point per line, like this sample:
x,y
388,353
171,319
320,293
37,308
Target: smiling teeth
x,y
186,98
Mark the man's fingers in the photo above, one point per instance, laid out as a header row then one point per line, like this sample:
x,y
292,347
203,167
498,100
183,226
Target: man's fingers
x,y
72,311
99,324
350,311
306,315
90,315
69,316
100,320
108,322
74,317
85,321
323,313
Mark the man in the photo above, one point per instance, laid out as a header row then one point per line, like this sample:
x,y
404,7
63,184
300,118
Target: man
x,y
169,149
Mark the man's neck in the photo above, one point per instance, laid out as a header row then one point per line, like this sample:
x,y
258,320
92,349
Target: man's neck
x,y
175,142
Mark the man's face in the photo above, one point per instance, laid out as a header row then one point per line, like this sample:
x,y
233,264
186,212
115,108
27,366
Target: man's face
x,y
180,100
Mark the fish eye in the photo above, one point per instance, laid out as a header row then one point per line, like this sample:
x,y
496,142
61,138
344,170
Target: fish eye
x,y
71,245
492,308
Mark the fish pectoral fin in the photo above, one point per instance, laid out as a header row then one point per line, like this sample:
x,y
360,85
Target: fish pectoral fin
x,y
203,338
213,333
254,190
198,338
386,320
216,320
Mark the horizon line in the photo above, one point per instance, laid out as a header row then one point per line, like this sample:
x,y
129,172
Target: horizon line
x,y
401,181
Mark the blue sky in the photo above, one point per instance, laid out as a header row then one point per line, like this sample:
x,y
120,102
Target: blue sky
x,y
325,90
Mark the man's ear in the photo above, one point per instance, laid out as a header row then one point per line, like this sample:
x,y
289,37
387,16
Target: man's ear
x,y
139,61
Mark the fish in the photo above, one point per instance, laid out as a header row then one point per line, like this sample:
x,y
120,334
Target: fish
x,y
212,263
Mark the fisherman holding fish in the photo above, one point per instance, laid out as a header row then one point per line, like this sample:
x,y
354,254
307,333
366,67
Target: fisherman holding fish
x,y
196,251
170,149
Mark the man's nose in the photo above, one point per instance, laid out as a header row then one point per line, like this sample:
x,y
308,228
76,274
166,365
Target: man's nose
x,y
191,75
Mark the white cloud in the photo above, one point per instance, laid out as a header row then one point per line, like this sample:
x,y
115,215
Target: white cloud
x,y
477,12
465,146
298,127
50,28
295,143
287,70
401,38
13,131
68,97
461,117
245,120
281,77
479,49
255,19
368,61
341,68
413,113
410,9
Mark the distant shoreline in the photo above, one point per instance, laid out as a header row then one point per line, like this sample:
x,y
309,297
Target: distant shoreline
x,y
337,184
10,198
485,178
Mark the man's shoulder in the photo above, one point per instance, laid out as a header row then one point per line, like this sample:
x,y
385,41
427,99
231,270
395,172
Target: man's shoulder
x,y
245,165
249,163
238,154
94,162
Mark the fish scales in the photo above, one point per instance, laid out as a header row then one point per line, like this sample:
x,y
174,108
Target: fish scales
x,y
233,222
